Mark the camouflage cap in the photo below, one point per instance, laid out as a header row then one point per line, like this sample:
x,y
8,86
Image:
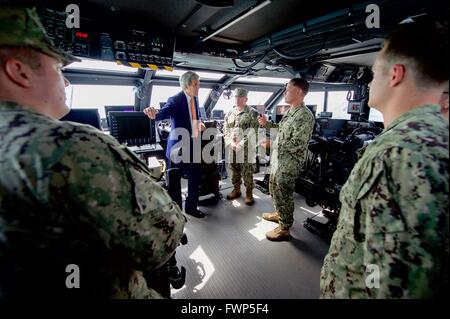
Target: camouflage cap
x,y
240,92
21,26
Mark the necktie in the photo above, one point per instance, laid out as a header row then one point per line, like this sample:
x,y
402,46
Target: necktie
x,y
194,118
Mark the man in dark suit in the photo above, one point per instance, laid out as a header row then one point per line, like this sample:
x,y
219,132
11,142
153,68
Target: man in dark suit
x,y
183,147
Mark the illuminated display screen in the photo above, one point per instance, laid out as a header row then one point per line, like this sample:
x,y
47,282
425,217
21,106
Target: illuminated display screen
x,y
117,108
132,128
129,128
82,35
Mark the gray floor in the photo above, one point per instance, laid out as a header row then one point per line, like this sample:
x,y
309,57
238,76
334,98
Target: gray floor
x,y
227,255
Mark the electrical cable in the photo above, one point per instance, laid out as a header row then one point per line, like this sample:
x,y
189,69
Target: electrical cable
x,y
248,67
297,57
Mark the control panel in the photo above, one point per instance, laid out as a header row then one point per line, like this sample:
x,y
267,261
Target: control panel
x,y
110,41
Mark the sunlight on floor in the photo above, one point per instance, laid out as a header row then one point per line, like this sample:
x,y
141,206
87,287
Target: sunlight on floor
x,y
204,268
262,227
235,203
310,211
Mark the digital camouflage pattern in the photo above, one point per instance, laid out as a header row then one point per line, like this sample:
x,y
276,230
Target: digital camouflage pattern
x,y
242,126
394,215
288,156
21,26
70,194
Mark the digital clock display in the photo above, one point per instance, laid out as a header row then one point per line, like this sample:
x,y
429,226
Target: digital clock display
x,y
81,35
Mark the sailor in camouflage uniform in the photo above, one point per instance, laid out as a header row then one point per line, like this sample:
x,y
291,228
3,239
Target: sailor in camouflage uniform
x,y
288,156
392,237
69,194
240,130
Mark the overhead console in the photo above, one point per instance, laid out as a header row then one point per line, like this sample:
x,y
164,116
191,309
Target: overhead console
x,y
326,72
107,37
339,73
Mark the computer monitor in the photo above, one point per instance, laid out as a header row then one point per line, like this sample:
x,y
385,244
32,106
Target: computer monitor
x,y
326,115
132,128
84,116
202,112
218,114
117,108
331,127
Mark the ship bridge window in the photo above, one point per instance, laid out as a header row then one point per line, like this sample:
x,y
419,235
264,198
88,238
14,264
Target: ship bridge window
x,y
312,98
160,94
262,79
202,75
97,96
96,65
315,98
254,98
338,104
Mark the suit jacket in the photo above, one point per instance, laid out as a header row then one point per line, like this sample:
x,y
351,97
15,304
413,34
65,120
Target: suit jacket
x,y
177,109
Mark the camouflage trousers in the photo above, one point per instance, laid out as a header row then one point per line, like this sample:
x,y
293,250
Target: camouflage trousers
x,y
281,187
242,171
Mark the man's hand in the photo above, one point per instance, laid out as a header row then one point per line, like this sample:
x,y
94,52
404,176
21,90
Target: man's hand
x,y
262,120
202,126
235,146
150,112
266,143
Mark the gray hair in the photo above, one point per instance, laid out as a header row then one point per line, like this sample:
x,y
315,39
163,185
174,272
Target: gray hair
x,y
187,78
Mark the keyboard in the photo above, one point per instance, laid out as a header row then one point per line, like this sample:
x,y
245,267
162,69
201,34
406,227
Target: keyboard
x,y
142,148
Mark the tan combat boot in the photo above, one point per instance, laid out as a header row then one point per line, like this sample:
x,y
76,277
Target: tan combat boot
x,y
271,217
278,234
235,193
249,197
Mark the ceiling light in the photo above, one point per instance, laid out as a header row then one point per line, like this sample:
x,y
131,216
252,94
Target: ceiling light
x,y
234,21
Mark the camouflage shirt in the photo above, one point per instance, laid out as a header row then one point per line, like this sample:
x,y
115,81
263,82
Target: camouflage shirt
x,y
392,237
243,127
70,194
291,144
